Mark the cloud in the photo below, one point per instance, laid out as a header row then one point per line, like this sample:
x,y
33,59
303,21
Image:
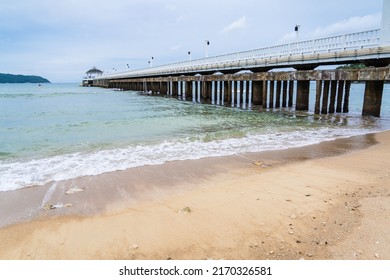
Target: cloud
x,y
350,25
238,24
177,47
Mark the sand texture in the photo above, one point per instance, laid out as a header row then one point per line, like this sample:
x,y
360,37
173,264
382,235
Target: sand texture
x,y
282,205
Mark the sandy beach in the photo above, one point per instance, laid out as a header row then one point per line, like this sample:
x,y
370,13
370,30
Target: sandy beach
x,y
325,201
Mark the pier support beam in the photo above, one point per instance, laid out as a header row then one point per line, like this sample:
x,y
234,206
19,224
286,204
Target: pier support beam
x,y
340,92
373,98
303,91
284,100
257,92
346,96
278,93
271,94
318,97
265,94
333,90
325,98
290,93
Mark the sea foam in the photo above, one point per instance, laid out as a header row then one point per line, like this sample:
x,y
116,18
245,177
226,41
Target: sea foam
x,y
16,175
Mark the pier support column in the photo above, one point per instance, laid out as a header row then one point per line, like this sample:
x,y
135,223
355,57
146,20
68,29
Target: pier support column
x,y
271,94
257,92
278,93
373,98
244,94
284,101
228,90
250,94
198,88
333,90
213,92
265,95
346,96
318,97
206,89
194,91
339,102
233,93
290,93
184,90
218,90
325,98
302,99
238,91
179,87
223,95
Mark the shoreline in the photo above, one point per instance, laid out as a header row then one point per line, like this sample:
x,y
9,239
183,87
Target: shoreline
x,y
210,208
151,182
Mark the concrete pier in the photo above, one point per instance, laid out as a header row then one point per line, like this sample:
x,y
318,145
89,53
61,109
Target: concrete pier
x,y
268,91
373,98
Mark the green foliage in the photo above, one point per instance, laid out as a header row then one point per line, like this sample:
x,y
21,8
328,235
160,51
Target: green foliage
x,y
9,78
352,66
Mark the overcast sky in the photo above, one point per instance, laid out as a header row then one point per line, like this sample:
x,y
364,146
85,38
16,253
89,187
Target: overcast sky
x,y
61,40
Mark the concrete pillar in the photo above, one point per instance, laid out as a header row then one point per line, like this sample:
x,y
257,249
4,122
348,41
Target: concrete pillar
x,y
340,91
318,97
244,94
325,97
206,91
290,93
278,93
194,91
228,92
238,96
265,94
199,91
373,98
284,100
333,90
176,89
257,92
218,86
233,93
271,94
346,96
179,88
302,98
213,92
184,90
250,95
222,92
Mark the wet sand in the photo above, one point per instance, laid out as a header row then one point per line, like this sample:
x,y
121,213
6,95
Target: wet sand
x,y
325,201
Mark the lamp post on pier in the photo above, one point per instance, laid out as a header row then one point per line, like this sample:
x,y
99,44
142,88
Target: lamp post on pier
x,y
296,29
207,47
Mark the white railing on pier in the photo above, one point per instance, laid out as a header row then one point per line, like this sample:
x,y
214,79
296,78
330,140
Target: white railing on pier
x,y
353,41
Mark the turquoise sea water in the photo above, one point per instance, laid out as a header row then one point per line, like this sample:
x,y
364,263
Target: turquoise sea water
x,y
63,131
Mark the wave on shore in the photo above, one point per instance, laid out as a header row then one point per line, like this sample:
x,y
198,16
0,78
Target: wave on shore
x,y
16,175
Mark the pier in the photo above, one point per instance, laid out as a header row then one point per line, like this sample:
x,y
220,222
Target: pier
x,y
252,77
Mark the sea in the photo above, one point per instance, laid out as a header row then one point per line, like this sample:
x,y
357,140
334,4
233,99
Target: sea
x,y
57,132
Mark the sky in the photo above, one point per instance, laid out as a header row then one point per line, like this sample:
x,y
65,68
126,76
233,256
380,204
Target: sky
x,y
61,40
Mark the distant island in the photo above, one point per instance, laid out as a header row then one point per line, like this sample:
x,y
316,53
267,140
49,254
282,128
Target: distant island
x,y
9,78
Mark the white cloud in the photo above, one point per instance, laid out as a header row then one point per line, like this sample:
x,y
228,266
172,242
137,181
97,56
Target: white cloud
x,y
238,24
177,47
350,25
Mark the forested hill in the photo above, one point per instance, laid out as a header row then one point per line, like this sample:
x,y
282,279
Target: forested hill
x,y
9,78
